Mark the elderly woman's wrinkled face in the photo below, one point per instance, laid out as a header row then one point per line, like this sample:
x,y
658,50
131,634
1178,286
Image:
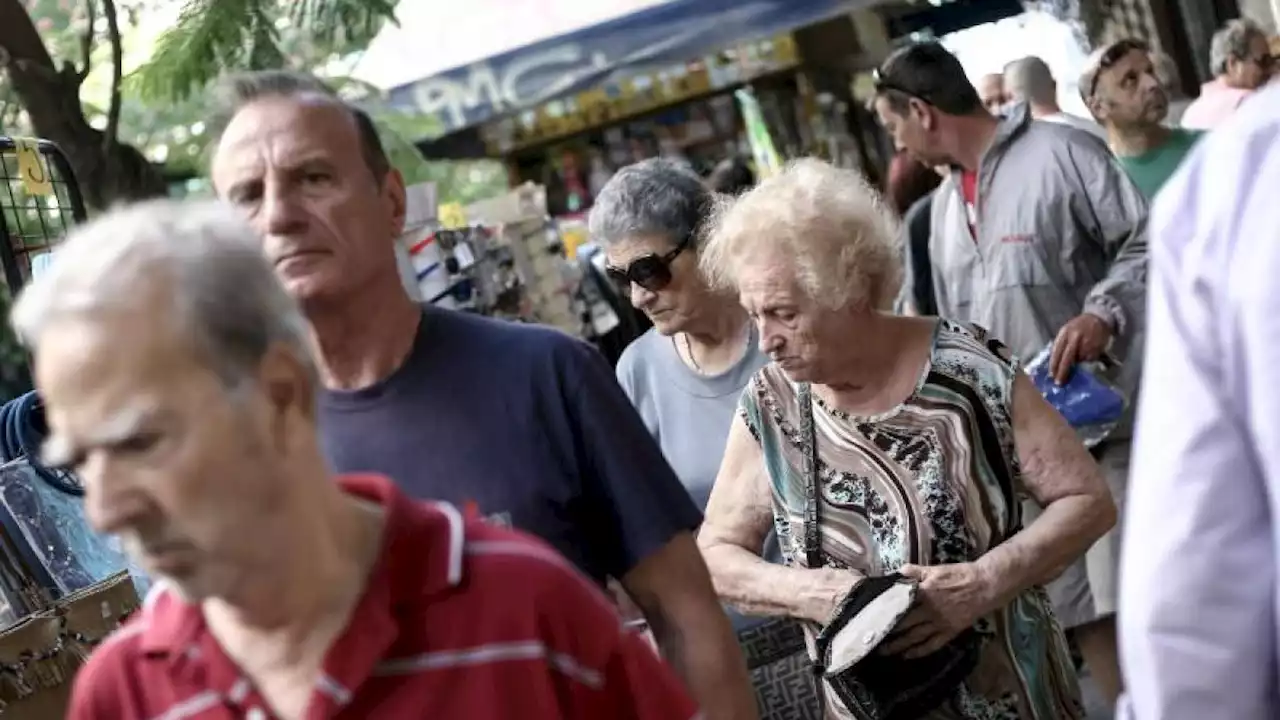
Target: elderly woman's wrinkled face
x,y
790,324
1252,70
661,277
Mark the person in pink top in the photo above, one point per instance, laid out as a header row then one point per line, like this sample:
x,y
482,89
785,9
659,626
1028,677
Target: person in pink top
x,y
1241,61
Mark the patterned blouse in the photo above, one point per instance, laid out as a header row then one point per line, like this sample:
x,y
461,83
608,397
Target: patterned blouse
x,y
933,481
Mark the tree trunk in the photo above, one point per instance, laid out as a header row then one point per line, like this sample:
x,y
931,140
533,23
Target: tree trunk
x,y
107,172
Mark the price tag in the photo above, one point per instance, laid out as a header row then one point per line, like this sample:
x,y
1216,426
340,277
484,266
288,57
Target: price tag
x,y
32,168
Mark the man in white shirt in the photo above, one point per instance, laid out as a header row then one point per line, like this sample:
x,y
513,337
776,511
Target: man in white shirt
x,y
1198,615
1029,80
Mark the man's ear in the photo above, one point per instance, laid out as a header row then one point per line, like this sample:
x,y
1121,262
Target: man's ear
x,y
1097,107
395,192
922,111
287,385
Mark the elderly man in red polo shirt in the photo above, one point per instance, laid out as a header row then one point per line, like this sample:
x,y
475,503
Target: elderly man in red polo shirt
x,y
178,383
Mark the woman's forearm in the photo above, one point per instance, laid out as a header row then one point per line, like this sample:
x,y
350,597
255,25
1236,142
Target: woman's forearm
x,y
1040,552
754,586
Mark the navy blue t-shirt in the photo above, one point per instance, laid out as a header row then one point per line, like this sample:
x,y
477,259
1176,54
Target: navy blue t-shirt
x,y
525,425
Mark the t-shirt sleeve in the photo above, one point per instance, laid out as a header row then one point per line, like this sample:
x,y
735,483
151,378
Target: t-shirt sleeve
x,y
638,685
635,503
601,670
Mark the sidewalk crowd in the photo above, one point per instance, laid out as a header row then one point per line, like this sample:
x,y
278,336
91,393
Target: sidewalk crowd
x,y
822,479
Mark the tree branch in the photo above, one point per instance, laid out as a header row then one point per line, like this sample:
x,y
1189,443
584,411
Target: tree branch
x,y
105,171
117,74
86,41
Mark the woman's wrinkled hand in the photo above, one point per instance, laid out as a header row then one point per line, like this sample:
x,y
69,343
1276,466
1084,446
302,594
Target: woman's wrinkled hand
x,y
949,600
826,589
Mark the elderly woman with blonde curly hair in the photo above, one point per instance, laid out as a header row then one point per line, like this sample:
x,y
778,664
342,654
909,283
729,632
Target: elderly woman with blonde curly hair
x,y
890,453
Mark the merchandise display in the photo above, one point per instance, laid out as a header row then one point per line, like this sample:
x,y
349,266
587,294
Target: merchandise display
x,y
531,257
661,88
40,655
48,550
63,587
763,150
768,118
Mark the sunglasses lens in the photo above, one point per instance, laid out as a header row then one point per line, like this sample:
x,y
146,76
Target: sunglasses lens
x,y
650,273
619,280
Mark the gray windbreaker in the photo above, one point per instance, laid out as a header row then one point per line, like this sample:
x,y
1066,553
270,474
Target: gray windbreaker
x,y
1061,230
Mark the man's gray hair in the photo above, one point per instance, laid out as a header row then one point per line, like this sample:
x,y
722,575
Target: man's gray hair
x,y
235,91
221,289
1232,41
1029,79
652,197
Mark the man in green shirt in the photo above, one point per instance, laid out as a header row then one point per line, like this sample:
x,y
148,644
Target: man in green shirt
x,y
1121,89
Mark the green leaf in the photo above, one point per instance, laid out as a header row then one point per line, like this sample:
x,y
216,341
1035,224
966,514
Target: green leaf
x,y
209,36
340,24
216,36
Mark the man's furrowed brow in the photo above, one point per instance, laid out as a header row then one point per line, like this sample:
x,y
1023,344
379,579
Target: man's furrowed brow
x,y
60,450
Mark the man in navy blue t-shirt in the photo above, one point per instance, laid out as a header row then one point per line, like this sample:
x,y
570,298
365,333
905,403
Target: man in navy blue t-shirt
x,y
522,424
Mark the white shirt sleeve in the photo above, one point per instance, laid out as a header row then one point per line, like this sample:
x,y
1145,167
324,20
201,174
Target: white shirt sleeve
x,y
1198,600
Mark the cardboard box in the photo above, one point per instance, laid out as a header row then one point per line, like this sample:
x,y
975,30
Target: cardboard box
x,y
43,651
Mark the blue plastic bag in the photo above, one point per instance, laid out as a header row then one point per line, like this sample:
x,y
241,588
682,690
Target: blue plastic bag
x,y
1091,404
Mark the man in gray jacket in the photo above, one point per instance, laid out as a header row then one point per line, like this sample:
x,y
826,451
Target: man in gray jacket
x,y
1038,236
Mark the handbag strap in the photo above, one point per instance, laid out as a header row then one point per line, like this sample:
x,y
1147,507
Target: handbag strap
x,y
812,488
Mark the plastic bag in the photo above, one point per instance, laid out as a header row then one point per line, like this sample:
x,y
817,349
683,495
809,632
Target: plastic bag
x,y
1091,404
47,535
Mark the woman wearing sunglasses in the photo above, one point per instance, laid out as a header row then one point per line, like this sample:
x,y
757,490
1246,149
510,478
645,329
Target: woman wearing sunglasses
x,y
686,373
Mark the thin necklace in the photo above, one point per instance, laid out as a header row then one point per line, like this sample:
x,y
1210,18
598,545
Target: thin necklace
x,y
688,350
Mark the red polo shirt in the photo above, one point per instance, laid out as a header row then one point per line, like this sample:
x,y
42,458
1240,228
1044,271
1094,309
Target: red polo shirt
x,y
460,619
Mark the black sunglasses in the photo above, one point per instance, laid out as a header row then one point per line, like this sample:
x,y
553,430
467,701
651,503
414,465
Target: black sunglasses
x,y
651,272
1111,56
884,84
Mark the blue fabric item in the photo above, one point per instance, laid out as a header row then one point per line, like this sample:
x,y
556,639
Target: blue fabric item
x,y
1084,400
675,32
522,424
22,430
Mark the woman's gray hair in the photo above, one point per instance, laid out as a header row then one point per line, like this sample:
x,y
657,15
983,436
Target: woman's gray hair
x,y
1232,41
224,293
834,230
652,197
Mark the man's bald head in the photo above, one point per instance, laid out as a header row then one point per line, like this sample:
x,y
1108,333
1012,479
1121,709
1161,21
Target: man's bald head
x,y
1030,80
235,92
991,91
